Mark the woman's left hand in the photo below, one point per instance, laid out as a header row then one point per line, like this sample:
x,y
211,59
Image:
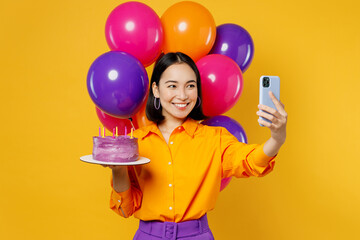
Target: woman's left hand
x,y
278,119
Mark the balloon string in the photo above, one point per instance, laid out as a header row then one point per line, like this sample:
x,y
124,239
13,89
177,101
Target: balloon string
x,y
131,121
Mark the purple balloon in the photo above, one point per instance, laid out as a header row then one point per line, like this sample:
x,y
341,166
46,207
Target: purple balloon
x,y
235,42
117,83
230,124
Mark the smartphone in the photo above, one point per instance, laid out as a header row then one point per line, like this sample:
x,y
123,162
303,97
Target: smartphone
x,y
268,83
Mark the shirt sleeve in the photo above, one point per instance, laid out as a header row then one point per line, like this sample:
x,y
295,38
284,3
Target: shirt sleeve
x,y
127,202
243,160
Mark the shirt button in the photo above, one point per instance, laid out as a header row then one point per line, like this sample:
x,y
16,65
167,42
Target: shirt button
x,y
170,208
179,128
171,142
119,200
169,163
170,185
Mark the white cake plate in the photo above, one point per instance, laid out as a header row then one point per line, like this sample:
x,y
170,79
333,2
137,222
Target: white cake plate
x,y
140,161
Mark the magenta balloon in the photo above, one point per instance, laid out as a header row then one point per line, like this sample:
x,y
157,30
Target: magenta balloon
x,y
234,128
224,183
235,42
221,83
135,28
110,122
117,83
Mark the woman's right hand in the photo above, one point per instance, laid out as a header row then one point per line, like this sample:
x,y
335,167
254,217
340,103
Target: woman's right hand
x,y
116,168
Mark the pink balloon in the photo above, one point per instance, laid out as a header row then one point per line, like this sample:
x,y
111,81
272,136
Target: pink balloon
x,y
110,122
135,28
221,83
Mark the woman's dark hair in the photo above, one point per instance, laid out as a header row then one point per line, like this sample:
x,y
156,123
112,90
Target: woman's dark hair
x,y
161,65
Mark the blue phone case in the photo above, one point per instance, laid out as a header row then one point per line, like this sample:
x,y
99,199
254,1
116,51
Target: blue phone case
x,y
264,98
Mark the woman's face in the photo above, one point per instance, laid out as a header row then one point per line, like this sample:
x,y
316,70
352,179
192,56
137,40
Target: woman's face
x,y
177,91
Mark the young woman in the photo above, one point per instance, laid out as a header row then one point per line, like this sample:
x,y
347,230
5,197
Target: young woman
x,y
172,194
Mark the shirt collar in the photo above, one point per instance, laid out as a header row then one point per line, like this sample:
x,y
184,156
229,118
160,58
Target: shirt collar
x,y
190,125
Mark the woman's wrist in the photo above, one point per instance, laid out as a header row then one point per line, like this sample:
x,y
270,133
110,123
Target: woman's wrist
x,y
278,141
121,181
272,147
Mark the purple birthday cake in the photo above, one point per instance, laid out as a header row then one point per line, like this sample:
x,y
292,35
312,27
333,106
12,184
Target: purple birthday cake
x,y
115,149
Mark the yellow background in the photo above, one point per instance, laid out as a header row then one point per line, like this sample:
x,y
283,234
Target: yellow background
x,y
48,119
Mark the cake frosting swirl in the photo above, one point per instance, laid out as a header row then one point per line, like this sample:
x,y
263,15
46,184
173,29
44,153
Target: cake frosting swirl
x,y
118,149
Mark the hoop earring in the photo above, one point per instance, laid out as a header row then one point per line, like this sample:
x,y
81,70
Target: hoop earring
x,y
158,106
199,99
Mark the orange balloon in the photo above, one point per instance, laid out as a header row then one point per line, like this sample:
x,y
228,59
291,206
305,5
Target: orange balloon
x,y
188,28
140,117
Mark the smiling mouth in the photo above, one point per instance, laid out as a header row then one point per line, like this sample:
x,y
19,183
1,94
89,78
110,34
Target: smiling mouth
x,y
181,105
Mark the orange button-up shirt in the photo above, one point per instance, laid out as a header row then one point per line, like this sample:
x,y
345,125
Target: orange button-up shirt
x,y
182,180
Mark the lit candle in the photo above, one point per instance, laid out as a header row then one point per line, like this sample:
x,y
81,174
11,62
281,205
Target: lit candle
x,y
104,131
99,131
125,131
116,131
113,132
131,132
